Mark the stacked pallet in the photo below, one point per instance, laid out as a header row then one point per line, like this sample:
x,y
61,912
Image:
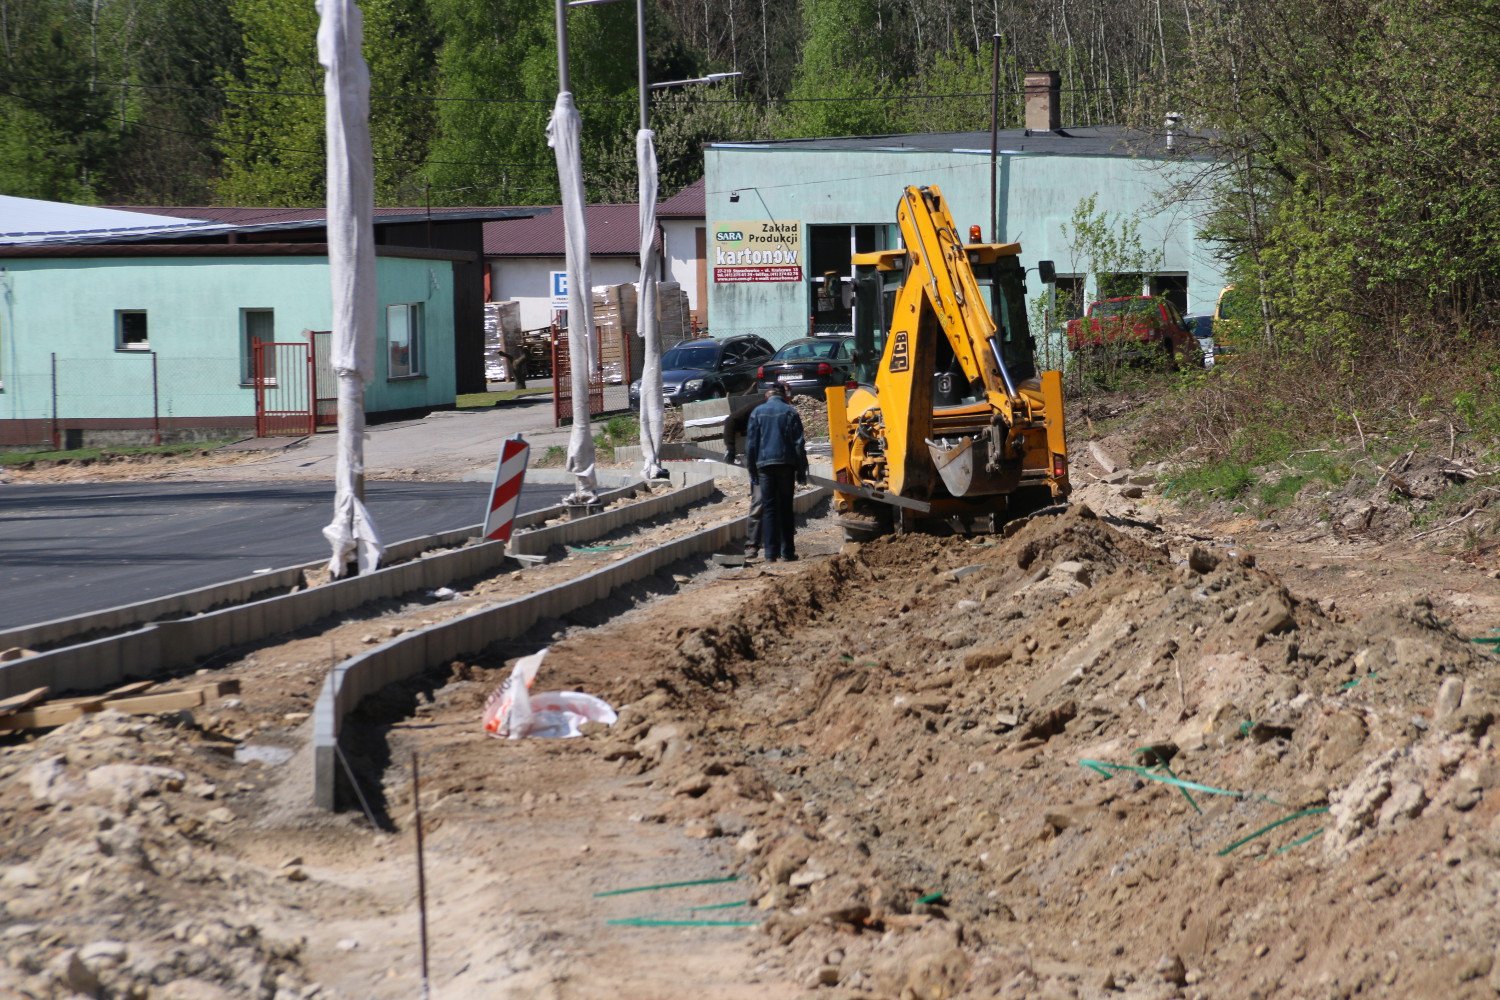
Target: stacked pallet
x,y
673,315
32,710
503,339
620,350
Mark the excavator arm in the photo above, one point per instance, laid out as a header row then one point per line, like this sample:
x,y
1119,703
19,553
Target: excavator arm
x,y
945,418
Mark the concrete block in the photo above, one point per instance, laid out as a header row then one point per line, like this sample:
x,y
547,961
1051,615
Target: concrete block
x,y
325,773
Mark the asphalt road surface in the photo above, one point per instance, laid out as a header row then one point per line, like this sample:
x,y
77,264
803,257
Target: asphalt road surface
x,y
70,549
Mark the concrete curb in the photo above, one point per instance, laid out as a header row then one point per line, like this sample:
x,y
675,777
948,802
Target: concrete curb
x,y
248,588
416,652
597,525
169,645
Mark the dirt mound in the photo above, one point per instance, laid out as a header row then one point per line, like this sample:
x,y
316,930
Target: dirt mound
x,y
974,768
129,888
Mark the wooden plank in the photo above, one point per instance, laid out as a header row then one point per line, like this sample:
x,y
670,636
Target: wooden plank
x,y
152,703
44,716
17,702
126,690
87,699
57,713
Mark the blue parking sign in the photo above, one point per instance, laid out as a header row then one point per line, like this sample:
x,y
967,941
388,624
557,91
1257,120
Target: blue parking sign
x,y
559,289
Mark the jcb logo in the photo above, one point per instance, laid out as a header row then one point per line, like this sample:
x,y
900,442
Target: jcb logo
x,y
729,236
900,353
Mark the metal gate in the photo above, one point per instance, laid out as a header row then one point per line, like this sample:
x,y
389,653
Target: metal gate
x,y
325,381
284,388
562,380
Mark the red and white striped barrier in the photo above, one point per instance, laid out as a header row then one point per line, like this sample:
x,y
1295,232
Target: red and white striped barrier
x,y
509,474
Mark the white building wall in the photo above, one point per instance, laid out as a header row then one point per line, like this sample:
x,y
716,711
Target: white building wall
x,y
680,255
528,280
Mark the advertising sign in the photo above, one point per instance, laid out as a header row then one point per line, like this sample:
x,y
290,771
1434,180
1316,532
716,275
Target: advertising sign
x,y
559,289
758,251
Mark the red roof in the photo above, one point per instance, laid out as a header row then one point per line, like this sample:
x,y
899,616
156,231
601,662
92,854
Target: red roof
x,y
614,230
685,204
259,216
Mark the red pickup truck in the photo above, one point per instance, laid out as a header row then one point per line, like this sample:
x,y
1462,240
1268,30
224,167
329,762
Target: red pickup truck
x,y
1134,325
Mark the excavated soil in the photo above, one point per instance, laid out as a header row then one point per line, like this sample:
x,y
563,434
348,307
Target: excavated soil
x,y
1119,752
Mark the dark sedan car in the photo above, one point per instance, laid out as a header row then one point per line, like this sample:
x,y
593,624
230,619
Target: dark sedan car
x,y
708,368
809,365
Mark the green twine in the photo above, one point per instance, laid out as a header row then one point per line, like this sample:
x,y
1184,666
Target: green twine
x,y
1104,769
1371,676
671,918
1108,770
598,548
1300,840
674,917
1267,829
1162,764
931,897
667,885
644,922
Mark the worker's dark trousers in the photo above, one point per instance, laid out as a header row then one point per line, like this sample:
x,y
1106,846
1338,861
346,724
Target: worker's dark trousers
x,y
778,523
757,511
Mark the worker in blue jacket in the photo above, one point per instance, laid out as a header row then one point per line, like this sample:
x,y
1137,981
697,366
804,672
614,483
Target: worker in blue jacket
x,y
776,456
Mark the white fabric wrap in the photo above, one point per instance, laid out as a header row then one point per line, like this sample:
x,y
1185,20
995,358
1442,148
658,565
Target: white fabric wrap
x,y
562,136
351,270
651,402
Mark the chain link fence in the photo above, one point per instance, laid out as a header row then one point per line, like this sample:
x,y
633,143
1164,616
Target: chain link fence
x,y
134,397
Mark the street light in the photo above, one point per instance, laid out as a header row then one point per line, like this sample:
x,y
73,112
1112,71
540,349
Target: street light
x,y
651,382
710,78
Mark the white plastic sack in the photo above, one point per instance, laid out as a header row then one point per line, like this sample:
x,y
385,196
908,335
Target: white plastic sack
x,y
513,711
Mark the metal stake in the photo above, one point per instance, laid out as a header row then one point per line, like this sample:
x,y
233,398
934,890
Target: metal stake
x,y
416,801
994,139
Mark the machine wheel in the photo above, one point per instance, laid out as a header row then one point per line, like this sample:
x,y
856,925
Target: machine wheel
x,y
1027,501
866,522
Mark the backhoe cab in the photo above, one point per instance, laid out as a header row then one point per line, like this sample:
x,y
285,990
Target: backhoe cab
x,y
951,427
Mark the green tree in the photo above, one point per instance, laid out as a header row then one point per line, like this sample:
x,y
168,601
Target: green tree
x,y
57,126
272,133
844,83
1108,247
498,77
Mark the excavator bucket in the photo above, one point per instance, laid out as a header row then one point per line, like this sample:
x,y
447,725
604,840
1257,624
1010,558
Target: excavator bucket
x,y
964,469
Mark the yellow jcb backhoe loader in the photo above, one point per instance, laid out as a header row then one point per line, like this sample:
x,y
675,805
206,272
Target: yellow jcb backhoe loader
x,y
951,428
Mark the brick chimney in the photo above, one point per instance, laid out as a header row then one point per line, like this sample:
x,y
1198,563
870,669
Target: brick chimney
x,y
1043,100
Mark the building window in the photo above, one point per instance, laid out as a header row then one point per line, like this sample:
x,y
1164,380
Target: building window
x,y
830,271
130,330
1122,285
1173,288
256,324
1070,302
403,335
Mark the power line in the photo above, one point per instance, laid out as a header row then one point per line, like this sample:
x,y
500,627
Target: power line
x,y
550,101
250,143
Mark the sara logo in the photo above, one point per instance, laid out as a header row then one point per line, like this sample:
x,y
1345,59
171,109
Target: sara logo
x,y
729,236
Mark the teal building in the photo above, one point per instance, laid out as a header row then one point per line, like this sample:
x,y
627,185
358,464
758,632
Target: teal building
x,y
784,217
120,327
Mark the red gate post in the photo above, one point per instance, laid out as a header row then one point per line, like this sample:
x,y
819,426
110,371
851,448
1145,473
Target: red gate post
x,y
312,396
257,378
